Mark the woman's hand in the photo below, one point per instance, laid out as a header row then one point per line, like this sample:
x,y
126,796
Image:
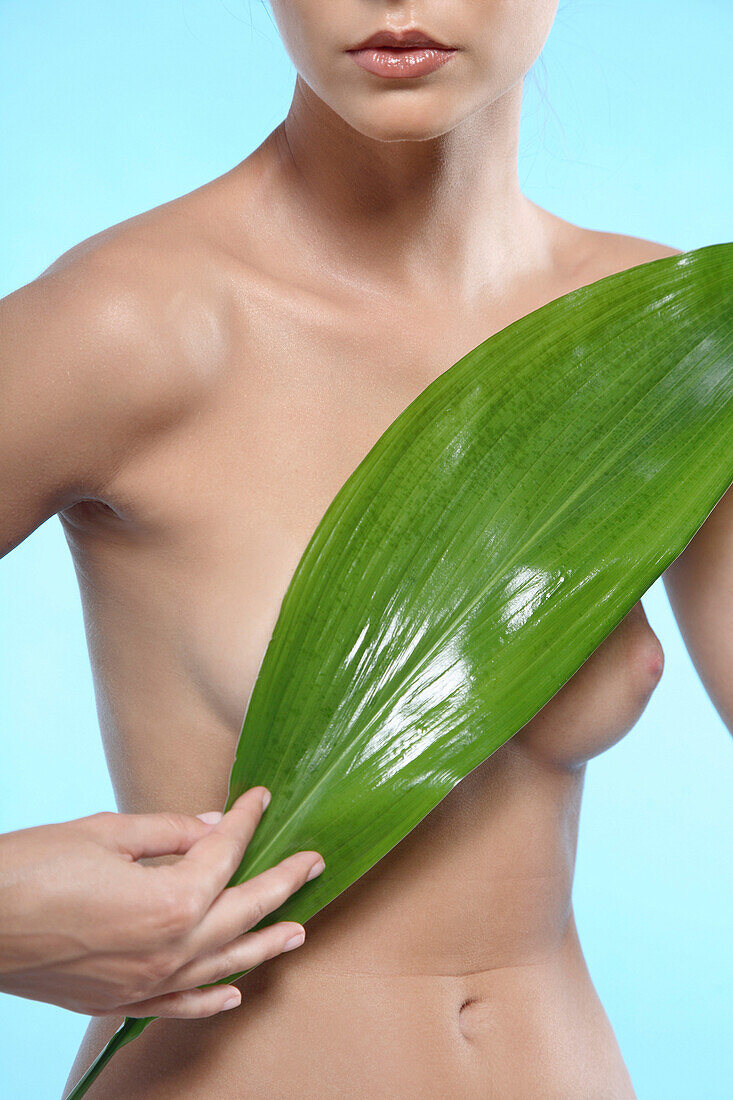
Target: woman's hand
x,y
86,926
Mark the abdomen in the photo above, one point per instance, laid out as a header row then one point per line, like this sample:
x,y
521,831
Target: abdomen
x,y
452,967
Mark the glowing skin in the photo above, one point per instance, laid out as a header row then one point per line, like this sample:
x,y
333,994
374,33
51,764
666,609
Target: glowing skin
x,y
189,390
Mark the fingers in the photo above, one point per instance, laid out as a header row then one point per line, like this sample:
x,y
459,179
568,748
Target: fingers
x,y
184,1001
163,834
241,907
193,1004
240,955
209,863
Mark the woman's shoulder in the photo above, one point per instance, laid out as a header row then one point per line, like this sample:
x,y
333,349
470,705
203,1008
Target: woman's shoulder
x,y
591,254
147,292
125,336
612,252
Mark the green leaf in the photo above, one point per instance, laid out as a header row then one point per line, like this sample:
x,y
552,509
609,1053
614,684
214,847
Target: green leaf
x,y
499,529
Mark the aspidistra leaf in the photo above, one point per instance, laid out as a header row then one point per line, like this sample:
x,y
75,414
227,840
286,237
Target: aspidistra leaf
x,y
495,534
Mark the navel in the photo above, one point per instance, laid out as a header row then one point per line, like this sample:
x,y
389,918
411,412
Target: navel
x,y
472,1018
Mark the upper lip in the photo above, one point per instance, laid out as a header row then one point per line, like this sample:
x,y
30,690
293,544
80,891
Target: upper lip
x,y
399,40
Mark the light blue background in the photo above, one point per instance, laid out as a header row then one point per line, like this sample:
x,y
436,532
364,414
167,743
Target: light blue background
x,y
109,109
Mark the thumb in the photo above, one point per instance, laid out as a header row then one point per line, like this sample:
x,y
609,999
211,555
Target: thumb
x,y
163,834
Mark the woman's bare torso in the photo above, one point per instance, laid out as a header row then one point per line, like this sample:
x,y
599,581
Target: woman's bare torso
x,y
453,968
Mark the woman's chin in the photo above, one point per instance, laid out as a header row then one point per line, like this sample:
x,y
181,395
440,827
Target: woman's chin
x,y
414,122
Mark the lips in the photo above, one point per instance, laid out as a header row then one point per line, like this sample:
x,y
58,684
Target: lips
x,y
401,54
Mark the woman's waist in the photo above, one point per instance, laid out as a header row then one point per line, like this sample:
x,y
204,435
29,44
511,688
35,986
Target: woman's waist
x,y
310,1030
529,1025
484,881
441,928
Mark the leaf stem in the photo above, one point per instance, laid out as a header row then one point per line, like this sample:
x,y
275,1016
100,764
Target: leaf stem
x,y
124,1035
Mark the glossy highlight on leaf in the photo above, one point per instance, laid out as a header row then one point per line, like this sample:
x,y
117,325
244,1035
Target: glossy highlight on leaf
x,y
495,534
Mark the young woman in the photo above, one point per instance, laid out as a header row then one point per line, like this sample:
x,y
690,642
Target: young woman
x,y
192,387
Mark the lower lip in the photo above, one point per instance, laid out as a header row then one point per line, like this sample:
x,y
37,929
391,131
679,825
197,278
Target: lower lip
x,y
398,64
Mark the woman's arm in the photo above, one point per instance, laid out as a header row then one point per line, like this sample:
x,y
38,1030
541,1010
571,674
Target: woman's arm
x,y
85,380
700,588
90,372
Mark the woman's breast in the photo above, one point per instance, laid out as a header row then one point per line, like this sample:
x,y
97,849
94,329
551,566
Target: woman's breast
x,y
603,700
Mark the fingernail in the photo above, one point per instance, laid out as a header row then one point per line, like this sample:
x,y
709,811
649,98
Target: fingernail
x,y
211,818
266,800
233,1002
315,870
294,941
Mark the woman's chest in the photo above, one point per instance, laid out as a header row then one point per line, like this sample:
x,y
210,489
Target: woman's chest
x,y
230,502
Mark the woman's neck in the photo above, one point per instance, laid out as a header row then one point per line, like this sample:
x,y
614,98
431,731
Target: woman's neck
x,y
450,206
